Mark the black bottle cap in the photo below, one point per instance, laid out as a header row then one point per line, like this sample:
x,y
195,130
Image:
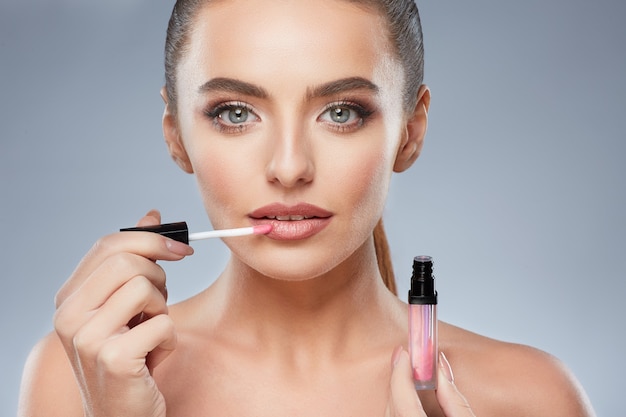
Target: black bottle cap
x,y
422,282
177,231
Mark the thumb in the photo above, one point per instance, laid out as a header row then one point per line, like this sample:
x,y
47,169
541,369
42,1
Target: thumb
x,y
403,400
151,218
451,401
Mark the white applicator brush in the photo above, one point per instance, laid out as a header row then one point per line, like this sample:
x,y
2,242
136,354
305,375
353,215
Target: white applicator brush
x,y
180,232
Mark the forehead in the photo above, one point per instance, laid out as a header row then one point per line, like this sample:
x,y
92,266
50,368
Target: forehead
x,y
260,39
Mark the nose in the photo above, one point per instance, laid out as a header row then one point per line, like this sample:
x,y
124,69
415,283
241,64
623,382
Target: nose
x,y
291,163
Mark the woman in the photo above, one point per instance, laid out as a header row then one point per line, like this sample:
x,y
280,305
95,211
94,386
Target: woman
x,y
294,114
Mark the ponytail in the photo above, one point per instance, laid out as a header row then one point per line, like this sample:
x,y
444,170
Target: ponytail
x,y
383,256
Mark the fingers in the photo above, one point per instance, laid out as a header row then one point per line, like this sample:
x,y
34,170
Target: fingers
x,y
116,378
125,286
116,286
452,402
152,218
136,296
100,342
403,400
148,245
108,277
125,356
159,325
112,318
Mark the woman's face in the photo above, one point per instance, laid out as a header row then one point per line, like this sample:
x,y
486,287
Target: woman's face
x,y
290,113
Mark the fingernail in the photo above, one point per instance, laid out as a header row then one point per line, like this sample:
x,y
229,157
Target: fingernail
x,y
396,355
178,248
445,367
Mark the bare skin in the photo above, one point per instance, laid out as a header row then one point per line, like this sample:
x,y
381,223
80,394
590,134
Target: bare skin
x,y
216,368
230,364
292,327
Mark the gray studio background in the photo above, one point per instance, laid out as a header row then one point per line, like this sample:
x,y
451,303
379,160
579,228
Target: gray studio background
x,y
519,193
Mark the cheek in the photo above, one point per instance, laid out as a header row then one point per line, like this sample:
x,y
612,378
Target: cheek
x,y
365,175
220,176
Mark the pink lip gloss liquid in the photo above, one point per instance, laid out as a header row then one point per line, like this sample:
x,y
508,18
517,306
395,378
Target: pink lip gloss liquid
x,y
423,324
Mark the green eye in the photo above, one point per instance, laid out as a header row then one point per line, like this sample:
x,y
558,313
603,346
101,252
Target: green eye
x,y
232,117
340,114
345,116
235,115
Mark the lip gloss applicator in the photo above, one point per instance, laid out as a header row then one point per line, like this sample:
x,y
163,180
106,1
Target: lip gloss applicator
x,y
180,232
423,345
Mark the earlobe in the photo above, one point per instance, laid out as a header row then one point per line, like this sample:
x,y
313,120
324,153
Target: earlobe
x,y
414,132
172,136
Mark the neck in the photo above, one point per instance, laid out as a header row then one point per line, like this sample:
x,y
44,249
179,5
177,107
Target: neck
x,y
314,315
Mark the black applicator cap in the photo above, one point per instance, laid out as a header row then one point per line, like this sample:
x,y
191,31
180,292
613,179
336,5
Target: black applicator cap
x,y
422,282
177,231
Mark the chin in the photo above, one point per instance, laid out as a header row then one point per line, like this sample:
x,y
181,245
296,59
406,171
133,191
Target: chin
x,y
294,264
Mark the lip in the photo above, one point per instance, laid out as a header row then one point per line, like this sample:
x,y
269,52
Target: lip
x,y
291,222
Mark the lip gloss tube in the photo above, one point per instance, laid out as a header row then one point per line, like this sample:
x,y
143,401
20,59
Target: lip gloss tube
x,y
180,232
423,349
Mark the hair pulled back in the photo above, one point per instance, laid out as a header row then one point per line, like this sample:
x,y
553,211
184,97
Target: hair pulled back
x,y
405,34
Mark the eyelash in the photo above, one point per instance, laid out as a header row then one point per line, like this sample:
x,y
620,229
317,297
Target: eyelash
x,y
363,114
214,112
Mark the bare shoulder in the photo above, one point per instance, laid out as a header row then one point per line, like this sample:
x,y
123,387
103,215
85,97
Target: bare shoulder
x,y
48,385
500,378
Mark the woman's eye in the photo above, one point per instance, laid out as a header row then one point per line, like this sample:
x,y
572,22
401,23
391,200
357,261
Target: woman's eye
x,y
235,115
341,115
232,117
345,117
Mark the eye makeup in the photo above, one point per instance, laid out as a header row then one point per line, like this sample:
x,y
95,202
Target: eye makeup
x,y
231,116
345,116
343,113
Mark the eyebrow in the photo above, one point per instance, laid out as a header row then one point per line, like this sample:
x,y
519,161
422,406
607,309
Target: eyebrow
x,y
324,90
233,86
342,85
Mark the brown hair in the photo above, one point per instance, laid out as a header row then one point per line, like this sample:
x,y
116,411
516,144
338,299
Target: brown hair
x,y
383,256
405,32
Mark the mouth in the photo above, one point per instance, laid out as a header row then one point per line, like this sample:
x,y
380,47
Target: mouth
x,y
289,217
292,222
284,212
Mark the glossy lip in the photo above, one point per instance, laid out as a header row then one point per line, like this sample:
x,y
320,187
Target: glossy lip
x,y
314,219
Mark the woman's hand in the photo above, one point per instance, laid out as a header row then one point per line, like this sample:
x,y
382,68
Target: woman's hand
x,y
403,399
112,319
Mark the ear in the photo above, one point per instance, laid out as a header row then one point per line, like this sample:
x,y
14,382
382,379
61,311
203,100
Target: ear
x,y
172,136
414,132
